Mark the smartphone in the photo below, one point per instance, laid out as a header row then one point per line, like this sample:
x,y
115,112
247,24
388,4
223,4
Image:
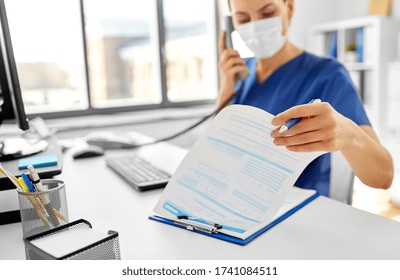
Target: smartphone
x,y
228,42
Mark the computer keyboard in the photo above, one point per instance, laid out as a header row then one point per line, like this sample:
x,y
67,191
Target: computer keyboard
x,y
138,172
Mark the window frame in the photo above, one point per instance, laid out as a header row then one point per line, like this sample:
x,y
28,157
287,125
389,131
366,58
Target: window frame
x,y
165,102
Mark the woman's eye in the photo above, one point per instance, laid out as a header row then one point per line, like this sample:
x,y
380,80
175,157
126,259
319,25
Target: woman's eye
x,y
243,20
267,15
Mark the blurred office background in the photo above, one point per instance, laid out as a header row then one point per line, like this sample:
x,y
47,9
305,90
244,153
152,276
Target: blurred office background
x,y
96,57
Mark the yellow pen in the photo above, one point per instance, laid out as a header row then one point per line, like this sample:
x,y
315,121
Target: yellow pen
x,y
17,184
35,205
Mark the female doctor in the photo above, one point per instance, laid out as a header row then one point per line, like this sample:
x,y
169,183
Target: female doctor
x,y
282,78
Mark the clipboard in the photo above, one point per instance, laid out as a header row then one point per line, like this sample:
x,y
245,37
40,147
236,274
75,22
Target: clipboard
x,y
231,239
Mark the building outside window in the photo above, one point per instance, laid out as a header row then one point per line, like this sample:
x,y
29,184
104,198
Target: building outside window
x,y
47,43
87,55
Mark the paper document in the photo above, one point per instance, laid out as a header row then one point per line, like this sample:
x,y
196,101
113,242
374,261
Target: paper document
x,y
234,175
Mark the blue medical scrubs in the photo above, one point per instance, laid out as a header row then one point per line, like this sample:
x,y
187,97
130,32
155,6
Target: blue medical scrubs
x,y
298,81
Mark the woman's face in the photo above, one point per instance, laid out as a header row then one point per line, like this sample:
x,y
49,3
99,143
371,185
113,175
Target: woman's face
x,y
244,11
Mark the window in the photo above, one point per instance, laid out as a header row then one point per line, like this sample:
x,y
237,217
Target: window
x,y
122,52
49,54
190,49
90,56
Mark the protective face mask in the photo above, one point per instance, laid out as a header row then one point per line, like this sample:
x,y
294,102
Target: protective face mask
x,y
263,37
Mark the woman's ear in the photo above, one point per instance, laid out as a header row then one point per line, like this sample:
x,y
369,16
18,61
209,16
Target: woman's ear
x,y
290,6
287,19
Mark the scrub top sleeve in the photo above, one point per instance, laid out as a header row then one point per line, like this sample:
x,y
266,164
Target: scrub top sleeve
x,y
341,93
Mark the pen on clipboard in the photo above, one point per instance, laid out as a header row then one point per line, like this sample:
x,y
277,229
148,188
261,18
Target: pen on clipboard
x,y
292,122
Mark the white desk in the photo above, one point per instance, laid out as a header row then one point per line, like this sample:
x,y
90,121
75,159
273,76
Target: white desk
x,y
324,229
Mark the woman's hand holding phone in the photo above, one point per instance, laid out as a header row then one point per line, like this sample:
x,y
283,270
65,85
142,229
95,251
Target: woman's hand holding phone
x,y
230,67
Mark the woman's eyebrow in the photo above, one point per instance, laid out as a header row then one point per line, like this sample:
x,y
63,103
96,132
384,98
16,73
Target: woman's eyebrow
x,y
266,6
259,10
240,13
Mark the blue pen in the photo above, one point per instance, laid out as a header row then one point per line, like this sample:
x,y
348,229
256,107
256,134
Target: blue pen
x,y
28,182
290,123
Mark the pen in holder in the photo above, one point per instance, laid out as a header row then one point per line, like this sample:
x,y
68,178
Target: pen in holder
x,y
44,210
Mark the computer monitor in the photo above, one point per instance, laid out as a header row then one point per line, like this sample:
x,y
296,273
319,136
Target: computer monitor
x,y
12,106
13,148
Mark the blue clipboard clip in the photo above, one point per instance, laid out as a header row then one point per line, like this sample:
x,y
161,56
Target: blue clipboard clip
x,y
192,224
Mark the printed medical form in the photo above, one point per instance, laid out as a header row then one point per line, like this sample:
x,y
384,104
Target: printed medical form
x,y
235,176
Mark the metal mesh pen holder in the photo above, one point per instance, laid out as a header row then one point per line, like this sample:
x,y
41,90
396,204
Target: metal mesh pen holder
x,y
105,249
41,211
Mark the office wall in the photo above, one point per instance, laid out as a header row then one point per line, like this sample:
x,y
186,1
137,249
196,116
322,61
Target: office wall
x,y
357,8
308,13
